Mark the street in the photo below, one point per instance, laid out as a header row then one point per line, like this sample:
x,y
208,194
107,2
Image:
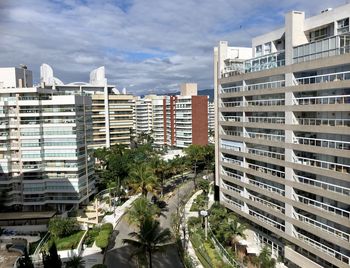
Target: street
x,y
119,254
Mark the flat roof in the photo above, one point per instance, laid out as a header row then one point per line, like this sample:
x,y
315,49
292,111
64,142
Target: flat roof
x,y
26,215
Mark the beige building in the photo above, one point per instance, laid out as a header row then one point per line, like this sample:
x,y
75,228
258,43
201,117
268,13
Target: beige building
x,y
283,137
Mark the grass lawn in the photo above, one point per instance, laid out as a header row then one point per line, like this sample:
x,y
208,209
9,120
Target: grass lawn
x,y
69,242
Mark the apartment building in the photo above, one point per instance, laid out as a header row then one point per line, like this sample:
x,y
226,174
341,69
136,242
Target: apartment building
x,y
44,139
211,121
283,136
112,111
143,115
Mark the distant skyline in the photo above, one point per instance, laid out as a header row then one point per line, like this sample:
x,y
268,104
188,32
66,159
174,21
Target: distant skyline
x,y
145,45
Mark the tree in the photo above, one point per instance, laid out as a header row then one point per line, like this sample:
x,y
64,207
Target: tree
x,y
52,260
141,210
160,169
204,186
149,239
209,157
60,227
143,180
265,259
25,261
235,229
75,262
195,155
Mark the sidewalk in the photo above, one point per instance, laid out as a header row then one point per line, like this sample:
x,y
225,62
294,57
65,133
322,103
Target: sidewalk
x,y
187,213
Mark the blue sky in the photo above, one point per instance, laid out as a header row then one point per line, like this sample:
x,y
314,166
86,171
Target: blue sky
x,y
145,45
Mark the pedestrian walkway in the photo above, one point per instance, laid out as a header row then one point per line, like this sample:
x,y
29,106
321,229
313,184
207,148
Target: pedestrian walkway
x,y
187,214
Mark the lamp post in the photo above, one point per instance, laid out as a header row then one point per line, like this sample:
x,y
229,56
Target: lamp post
x,y
204,214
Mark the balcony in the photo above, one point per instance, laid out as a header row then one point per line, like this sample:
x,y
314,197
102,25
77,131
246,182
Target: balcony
x,y
323,248
267,187
322,164
266,203
231,161
323,122
270,171
266,220
323,78
230,188
232,89
341,99
231,147
324,185
321,49
323,227
332,144
266,153
231,202
231,104
232,175
268,102
322,206
231,118
264,136
266,85
265,120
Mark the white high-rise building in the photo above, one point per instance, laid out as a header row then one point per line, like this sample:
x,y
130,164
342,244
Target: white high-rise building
x,y
283,137
143,115
44,139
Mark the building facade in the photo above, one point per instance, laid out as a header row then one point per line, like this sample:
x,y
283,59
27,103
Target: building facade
x,y
143,115
283,139
112,111
44,139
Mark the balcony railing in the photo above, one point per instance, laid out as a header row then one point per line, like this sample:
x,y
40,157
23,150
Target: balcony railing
x,y
231,147
231,202
267,187
231,118
232,89
324,227
324,185
230,188
266,153
342,145
233,133
322,164
341,99
265,120
266,170
266,203
323,78
264,136
322,206
231,103
326,47
231,161
324,248
266,85
323,122
232,175
268,102
266,220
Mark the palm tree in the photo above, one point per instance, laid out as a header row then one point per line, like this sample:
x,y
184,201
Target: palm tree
x,y
160,170
149,239
143,181
234,230
141,210
265,260
195,155
75,262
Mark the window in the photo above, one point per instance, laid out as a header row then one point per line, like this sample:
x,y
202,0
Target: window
x,y
258,50
318,34
267,48
343,26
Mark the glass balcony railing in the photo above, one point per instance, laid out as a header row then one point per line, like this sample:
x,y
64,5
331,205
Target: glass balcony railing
x,y
231,147
323,206
266,220
323,227
266,153
232,118
231,103
257,86
322,78
342,145
322,164
232,89
322,247
267,187
231,161
232,175
264,136
327,47
342,99
323,122
268,102
230,188
265,120
266,170
266,203
232,202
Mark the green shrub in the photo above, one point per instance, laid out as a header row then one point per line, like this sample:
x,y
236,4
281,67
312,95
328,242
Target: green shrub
x,y
102,240
61,227
91,236
107,226
99,266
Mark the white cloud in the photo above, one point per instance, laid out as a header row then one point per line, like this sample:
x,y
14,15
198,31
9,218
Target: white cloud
x,y
173,39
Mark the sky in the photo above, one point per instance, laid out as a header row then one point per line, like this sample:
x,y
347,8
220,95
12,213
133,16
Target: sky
x,y
146,46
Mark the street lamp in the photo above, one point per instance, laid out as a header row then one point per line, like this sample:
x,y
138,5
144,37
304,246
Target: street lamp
x,y
204,214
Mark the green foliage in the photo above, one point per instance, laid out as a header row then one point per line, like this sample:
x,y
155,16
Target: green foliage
x,y
61,227
204,185
25,261
91,236
143,180
265,259
75,262
99,266
52,260
140,210
107,226
102,238
200,203
70,241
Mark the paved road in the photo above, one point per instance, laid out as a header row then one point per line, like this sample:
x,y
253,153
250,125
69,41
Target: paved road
x,y
119,254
